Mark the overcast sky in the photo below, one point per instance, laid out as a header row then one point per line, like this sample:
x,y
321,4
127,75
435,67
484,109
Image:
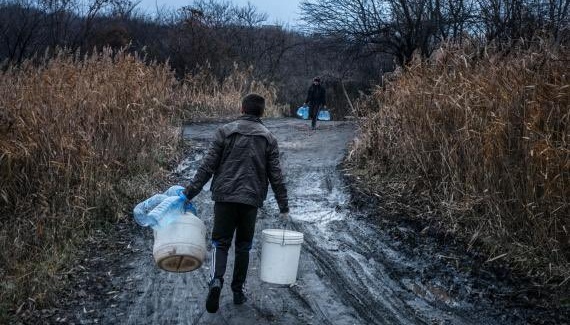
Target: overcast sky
x,y
283,11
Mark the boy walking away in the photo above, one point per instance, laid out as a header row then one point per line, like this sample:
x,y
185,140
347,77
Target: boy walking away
x,y
243,158
316,98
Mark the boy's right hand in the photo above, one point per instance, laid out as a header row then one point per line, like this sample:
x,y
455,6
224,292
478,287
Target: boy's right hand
x,y
186,193
188,206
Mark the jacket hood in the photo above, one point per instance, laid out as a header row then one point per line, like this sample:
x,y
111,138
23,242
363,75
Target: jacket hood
x,y
247,125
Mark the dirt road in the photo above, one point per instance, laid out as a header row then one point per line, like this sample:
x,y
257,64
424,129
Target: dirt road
x,y
354,269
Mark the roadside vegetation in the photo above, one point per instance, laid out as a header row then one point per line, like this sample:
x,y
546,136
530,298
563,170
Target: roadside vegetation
x,y
203,96
475,142
83,139
470,133
472,139
205,37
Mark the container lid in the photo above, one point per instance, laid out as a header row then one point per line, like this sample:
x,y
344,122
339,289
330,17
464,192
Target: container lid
x,y
179,263
282,236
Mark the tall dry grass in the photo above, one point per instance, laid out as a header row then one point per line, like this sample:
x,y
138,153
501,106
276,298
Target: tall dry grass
x,y
74,132
485,140
205,96
82,138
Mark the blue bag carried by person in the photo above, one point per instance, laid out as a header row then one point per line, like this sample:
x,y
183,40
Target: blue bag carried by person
x,y
324,115
303,112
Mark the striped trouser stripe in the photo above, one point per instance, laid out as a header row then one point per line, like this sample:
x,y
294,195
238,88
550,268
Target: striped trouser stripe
x,y
213,268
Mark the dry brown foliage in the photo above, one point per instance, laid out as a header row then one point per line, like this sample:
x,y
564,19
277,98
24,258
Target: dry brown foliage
x,y
204,96
484,138
82,138
73,130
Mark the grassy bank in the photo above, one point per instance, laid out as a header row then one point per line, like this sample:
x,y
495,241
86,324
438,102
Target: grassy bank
x,y
82,139
476,143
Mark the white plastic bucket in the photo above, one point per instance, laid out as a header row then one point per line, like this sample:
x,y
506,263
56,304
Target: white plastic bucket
x,y
280,252
181,245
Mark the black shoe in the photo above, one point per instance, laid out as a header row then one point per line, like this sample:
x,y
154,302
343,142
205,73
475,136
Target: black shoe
x,y
213,300
239,297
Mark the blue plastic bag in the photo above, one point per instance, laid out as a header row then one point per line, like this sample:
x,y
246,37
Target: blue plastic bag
x,y
189,206
324,115
303,112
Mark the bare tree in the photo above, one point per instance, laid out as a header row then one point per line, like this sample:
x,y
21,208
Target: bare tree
x,y
557,17
249,16
460,19
402,27
58,21
123,9
397,27
505,21
20,22
89,13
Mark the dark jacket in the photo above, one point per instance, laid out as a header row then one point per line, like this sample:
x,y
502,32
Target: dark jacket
x,y
244,159
316,95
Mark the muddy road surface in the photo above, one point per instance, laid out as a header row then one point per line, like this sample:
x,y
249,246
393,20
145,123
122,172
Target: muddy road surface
x,y
354,268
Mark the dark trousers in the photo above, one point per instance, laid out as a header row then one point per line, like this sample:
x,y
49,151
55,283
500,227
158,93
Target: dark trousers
x,y
230,218
314,113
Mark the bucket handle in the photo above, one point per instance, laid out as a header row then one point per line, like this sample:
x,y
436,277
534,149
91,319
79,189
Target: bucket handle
x,y
287,226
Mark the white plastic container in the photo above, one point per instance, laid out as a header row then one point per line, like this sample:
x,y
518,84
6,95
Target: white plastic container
x,y
180,246
280,252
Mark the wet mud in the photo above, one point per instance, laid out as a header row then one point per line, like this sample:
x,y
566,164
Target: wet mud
x,y
355,267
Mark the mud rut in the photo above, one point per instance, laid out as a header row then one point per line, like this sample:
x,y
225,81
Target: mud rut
x,y
350,271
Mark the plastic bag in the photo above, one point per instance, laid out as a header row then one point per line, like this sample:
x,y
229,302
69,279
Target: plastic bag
x,y
303,112
324,115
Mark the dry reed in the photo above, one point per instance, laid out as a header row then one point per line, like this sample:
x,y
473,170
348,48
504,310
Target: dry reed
x,y
485,141
82,138
73,130
205,96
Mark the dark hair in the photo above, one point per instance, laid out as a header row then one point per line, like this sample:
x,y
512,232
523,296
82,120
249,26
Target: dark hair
x,y
253,104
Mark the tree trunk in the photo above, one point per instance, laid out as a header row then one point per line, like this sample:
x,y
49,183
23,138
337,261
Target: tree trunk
x,y
347,97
